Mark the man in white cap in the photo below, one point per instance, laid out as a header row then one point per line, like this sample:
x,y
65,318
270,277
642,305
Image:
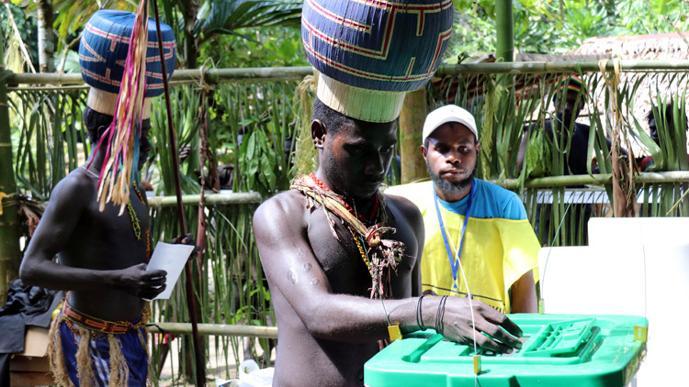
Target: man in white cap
x,y
478,239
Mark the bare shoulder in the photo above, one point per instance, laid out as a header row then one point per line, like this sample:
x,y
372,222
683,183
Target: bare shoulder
x,y
77,181
285,209
407,208
74,189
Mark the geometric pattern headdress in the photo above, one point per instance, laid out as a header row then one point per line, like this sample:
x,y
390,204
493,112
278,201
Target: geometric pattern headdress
x,y
370,53
103,52
120,60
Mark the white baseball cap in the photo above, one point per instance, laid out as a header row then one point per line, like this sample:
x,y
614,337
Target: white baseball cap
x,y
445,114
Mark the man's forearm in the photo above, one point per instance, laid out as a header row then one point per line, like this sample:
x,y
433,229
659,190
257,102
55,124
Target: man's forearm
x,y
523,295
356,319
51,275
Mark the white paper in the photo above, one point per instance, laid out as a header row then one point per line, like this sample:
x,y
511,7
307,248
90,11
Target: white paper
x,y
172,259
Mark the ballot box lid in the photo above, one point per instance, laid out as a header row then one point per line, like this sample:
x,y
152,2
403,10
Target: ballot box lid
x,y
557,350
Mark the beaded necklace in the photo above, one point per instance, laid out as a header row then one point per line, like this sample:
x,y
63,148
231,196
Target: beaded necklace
x,y
136,224
372,215
380,255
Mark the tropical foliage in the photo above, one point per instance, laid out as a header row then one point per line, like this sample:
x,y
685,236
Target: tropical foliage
x,y
506,107
557,26
255,127
197,24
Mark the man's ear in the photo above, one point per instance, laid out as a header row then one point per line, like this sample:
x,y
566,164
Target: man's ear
x,y
318,133
423,150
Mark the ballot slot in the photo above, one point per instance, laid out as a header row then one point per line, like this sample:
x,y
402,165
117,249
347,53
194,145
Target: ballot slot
x,y
574,339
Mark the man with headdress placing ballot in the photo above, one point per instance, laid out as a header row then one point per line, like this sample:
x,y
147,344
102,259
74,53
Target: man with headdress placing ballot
x,y
341,258
97,222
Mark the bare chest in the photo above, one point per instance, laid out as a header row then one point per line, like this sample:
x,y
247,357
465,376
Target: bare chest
x,y
109,239
343,260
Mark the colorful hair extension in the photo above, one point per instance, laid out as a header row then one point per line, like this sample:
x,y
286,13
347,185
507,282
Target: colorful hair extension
x,y
123,136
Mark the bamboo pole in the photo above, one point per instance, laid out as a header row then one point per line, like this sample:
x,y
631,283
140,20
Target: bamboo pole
x,y
298,72
215,329
232,198
557,181
413,115
561,66
244,198
662,177
9,231
194,313
56,88
598,179
504,26
212,76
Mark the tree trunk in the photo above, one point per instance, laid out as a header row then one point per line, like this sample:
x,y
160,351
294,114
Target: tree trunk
x,y
411,122
191,43
46,44
9,227
190,49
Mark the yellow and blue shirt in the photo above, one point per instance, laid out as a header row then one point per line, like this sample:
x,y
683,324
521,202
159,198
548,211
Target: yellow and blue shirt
x,y
500,245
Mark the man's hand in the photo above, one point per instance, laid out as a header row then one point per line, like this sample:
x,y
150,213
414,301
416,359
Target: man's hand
x,y
185,240
189,241
494,331
136,281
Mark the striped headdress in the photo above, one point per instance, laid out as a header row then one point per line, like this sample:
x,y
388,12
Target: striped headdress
x,y
120,60
103,53
369,53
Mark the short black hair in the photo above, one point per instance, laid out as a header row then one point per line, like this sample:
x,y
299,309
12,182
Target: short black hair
x,y
332,119
669,116
669,112
97,123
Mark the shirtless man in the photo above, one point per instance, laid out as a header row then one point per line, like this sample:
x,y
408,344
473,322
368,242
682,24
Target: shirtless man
x,y
102,255
98,338
328,327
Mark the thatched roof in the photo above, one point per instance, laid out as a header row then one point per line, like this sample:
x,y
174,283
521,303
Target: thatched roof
x,y
532,57
674,45
667,46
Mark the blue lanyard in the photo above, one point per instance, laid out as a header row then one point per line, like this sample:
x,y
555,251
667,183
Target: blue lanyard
x,y
454,262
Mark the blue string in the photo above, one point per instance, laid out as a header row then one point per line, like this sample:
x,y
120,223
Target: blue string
x,y
454,262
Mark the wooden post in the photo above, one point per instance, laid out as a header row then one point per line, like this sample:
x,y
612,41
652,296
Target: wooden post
x,y
9,224
412,117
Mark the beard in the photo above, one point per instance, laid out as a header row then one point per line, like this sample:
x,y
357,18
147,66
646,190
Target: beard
x,y
449,188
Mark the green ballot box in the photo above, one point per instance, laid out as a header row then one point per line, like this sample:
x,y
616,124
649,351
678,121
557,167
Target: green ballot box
x,y
558,350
